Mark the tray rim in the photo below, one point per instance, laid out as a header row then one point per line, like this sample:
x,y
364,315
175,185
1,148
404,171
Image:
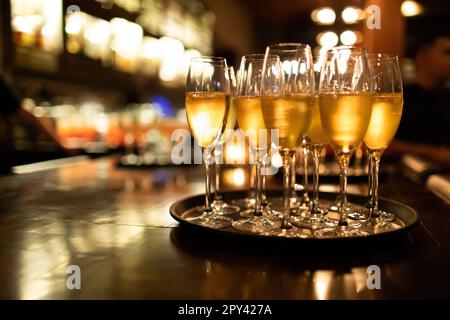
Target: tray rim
x,y
236,233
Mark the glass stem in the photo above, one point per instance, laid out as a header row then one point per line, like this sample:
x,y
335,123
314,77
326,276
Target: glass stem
x,y
315,149
258,211
292,181
305,197
287,156
252,190
207,159
263,182
376,156
344,160
370,178
217,168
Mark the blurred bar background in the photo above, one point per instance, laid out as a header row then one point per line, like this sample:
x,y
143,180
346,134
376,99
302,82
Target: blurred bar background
x,y
108,75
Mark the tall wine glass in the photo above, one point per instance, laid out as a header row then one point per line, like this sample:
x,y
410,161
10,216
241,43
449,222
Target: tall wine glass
x,y
345,103
386,114
287,101
207,107
218,204
316,139
251,122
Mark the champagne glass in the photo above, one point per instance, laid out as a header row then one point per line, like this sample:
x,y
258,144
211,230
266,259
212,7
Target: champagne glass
x,y
218,204
287,100
207,107
316,139
345,104
250,120
386,114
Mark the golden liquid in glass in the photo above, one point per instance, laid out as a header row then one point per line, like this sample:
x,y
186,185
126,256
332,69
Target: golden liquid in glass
x,y
315,134
345,118
231,120
386,114
250,119
206,114
291,115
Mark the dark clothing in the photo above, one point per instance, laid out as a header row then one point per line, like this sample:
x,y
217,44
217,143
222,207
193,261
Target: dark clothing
x,y
9,99
426,116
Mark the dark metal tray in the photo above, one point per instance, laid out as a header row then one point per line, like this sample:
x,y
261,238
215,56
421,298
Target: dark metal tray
x,y
181,209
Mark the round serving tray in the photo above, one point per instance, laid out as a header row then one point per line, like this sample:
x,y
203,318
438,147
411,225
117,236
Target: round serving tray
x,y
181,210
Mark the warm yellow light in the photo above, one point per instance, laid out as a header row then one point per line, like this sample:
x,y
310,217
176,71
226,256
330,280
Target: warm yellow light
x,y
352,15
411,8
172,54
277,161
235,177
74,23
239,176
327,39
150,48
322,281
188,55
325,15
47,31
319,59
348,38
235,153
22,24
98,32
126,43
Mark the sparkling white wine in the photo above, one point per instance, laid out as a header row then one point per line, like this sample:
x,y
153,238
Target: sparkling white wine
x,y
291,115
345,118
206,114
249,117
386,114
315,134
231,120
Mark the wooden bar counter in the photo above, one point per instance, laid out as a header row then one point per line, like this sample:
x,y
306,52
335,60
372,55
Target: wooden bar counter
x,y
115,225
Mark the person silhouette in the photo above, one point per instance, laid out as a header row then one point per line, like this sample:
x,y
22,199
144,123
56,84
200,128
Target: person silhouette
x,y
424,128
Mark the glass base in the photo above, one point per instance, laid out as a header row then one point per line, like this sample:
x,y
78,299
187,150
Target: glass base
x,y
255,224
209,219
361,215
336,206
305,201
223,208
291,232
386,216
310,221
272,214
341,232
300,209
294,203
298,212
386,226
